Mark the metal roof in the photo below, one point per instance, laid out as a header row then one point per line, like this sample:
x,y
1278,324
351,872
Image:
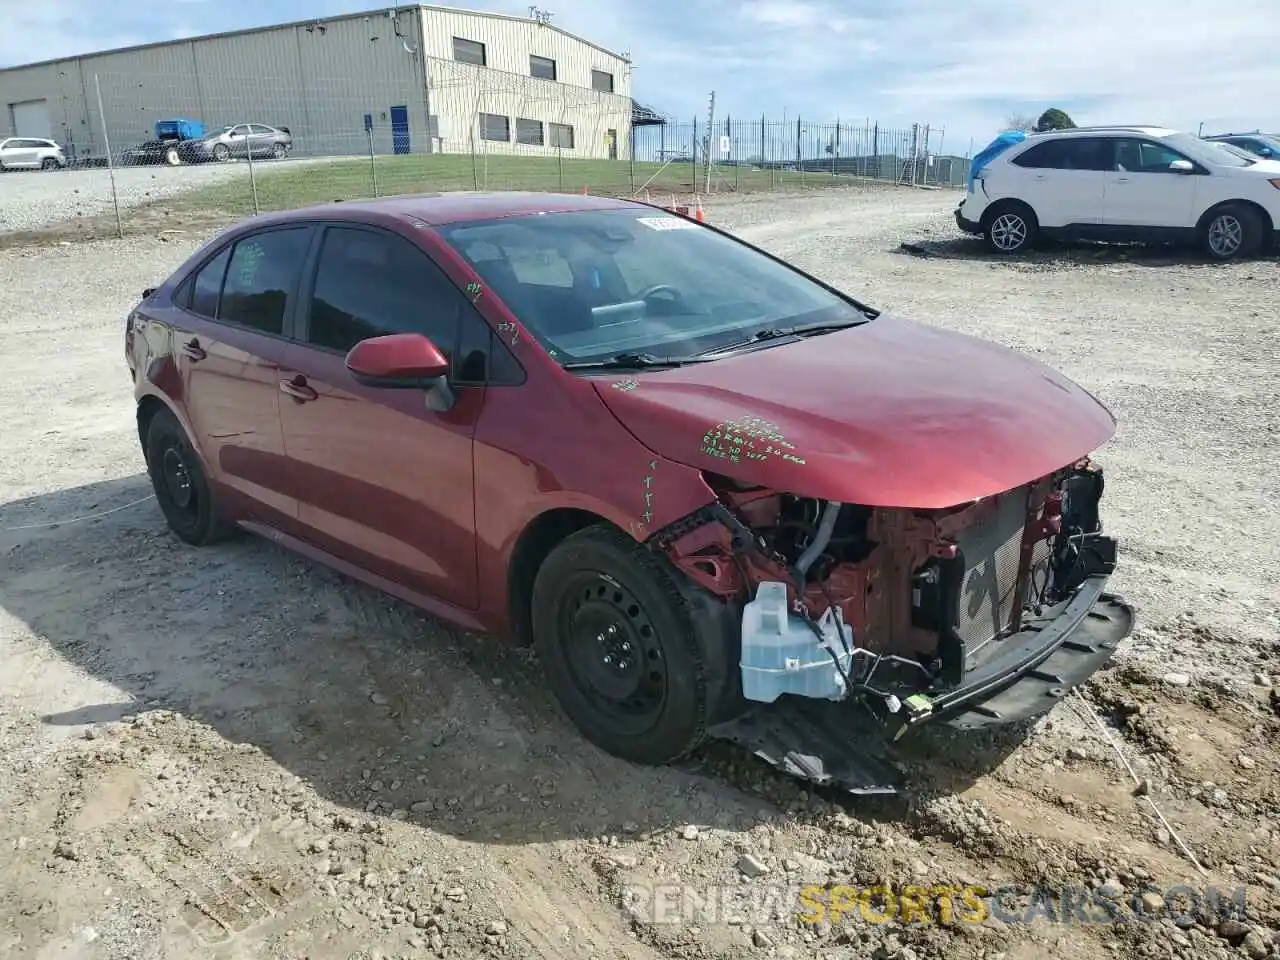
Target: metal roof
x,y
378,12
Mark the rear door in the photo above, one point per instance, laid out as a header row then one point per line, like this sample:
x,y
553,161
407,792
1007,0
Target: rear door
x,y
1062,179
383,480
1143,192
236,314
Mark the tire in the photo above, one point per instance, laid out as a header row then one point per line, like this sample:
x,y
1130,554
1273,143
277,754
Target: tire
x,y
278,151
602,605
48,163
1009,228
1231,232
181,488
221,152
172,157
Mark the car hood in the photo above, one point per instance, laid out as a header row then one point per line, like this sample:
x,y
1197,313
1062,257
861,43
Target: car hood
x,y
892,413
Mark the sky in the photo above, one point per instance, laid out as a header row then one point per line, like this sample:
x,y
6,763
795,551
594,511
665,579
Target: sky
x,y
962,66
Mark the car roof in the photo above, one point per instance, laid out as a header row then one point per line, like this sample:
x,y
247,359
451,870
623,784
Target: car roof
x,y
1142,130
439,209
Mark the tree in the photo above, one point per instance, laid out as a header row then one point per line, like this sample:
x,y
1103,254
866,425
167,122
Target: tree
x,y
1054,119
1021,122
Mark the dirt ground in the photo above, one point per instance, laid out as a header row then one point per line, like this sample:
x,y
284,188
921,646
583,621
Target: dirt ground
x,y
231,753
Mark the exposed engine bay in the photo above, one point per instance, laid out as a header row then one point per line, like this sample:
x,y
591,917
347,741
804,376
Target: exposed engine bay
x,y
897,612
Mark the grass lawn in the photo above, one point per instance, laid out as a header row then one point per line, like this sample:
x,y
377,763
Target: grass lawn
x,y
284,186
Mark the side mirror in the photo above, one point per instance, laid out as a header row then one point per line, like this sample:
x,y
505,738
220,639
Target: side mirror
x,y
1266,153
1182,166
404,361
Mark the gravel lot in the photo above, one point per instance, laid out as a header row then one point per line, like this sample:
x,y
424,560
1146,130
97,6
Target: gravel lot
x,y
32,199
229,749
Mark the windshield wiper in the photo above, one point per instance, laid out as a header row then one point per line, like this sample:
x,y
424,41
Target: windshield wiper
x,y
629,361
775,333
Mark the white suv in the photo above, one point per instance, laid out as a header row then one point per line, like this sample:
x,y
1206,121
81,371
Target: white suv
x,y
1125,184
30,153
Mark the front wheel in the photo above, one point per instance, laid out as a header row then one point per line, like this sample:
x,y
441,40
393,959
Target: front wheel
x,y
222,153
1234,231
1009,228
181,488
620,649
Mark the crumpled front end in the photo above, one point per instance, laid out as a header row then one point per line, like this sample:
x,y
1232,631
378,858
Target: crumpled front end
x,y
860,623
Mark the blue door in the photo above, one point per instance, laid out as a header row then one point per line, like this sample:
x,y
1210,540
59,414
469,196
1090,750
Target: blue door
x,y
399,129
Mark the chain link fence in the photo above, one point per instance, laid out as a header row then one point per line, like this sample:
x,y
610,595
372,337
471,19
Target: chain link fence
x,y
175,147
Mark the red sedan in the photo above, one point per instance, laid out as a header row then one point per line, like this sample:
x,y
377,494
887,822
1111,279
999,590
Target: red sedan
x,y
720,497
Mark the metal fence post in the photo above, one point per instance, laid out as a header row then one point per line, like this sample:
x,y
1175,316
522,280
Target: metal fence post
x,y
111,166
373,163
253,179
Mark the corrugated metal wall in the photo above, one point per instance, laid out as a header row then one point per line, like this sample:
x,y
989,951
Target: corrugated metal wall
x,y
323,79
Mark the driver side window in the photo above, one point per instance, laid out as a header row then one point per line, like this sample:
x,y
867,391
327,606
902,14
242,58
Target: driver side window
x,y
1143,156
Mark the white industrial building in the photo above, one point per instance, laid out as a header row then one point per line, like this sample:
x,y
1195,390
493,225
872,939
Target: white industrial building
x,y
417,79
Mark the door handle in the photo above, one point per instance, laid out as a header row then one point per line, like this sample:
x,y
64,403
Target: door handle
x,y
1121,180
1039,176
298,389
193,351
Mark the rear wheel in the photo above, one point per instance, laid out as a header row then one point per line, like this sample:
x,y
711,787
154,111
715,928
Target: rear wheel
x,y
48,163
1009,228
1230,232
620,648
181,488
278,151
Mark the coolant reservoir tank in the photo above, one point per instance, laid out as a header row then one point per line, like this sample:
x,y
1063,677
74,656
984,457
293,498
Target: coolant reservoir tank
x,y
782,655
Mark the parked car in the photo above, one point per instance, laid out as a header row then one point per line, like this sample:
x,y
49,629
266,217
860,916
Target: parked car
x,y
30,153
185,141
1124,184
1264,145
716,494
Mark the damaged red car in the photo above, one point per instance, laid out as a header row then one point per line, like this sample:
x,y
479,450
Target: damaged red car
x,y
720,497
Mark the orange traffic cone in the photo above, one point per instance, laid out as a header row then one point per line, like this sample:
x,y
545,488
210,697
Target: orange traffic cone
x,y
584,191
698,215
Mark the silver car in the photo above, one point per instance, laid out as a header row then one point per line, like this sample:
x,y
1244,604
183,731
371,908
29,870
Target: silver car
x,y
31,153
238,142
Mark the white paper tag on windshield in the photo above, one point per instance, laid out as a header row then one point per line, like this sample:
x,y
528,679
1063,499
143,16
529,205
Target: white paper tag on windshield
x,y
668,223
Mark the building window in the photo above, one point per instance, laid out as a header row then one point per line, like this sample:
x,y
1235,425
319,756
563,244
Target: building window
x,y
468,51
602,81
561,135
494,127
529,131
542,68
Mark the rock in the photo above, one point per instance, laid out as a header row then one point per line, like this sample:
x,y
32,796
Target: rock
x,y
378,699
690,832
456,894
1255,945
1177,679
422,806
1152,902
66,850
752,866
1232,929
761,939
1112,889
496,928
1245,763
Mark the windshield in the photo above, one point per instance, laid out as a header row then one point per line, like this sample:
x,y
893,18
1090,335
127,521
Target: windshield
x,y
1206,152
1233,149
592,285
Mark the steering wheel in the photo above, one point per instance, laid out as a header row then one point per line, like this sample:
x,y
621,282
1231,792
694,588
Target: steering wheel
x,y
657,288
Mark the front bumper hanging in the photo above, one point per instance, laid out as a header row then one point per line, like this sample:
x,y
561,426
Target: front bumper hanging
x,y
841,744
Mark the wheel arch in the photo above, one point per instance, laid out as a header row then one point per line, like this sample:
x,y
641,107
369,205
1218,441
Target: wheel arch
x,y
149,404
538,538
996,207
1268,224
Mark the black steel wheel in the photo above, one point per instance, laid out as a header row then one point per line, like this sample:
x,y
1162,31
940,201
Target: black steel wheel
x,y
621,650
178,479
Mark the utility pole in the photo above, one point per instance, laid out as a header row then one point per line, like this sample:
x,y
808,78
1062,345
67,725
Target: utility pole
x,y
711,116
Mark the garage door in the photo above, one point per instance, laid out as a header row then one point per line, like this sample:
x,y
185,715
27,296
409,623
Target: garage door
x,y
31,119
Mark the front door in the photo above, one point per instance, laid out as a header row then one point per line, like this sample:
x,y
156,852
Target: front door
x,y
1143,192
383,481
239,140
229,342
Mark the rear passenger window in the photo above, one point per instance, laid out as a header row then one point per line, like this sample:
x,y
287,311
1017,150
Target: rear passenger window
x,y
207,285
1076,153
261,277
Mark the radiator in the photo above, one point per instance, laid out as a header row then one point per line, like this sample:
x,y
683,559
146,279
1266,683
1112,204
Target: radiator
x,y
991,551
